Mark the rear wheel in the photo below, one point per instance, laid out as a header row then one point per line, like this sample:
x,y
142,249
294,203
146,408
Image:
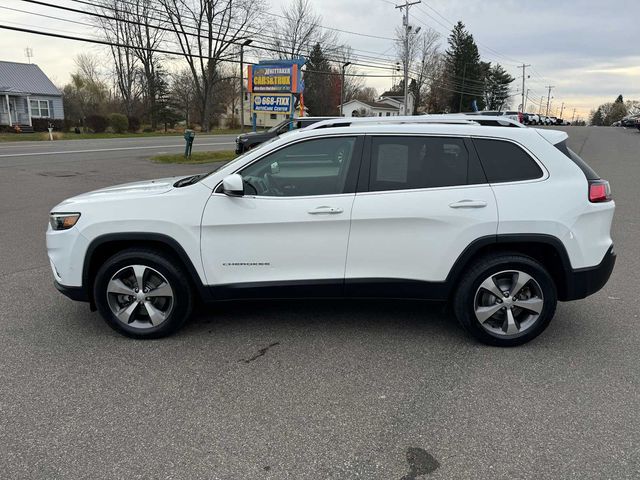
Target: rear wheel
x,y
505,300
141,294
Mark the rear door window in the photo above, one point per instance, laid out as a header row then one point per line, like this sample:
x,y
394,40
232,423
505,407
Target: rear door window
x,y
505,161
404,162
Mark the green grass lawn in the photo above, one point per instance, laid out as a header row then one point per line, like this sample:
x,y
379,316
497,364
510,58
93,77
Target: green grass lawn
x,y
197,157
44,136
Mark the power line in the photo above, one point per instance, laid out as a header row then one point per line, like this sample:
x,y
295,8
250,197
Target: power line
x,y
451,85
131,21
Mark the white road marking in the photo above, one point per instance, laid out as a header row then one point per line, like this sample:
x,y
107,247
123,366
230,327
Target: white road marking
x,y
108,149
104,141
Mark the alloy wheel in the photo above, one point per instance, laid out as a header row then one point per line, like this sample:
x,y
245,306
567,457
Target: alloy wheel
x,y
508,303
139,296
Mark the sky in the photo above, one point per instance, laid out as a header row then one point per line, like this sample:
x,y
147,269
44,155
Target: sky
x,y
586,49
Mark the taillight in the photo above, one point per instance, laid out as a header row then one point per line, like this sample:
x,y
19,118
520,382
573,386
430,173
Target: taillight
x,y
599,191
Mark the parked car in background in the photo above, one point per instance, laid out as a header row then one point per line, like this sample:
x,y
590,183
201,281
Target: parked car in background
x,y
531,119
247,141
638,123
629,121
514,115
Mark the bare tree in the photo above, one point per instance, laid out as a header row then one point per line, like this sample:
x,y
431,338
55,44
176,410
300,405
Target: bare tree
x,y
135,28
352,83
422,58
437,100
300,30
205,31
426,50
182,94
147,35
113,24
88,66
366,94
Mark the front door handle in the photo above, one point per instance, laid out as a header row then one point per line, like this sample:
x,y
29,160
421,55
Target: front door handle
x,y
469,204
325,210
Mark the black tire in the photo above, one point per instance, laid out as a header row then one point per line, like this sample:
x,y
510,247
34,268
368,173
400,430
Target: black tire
x,y
464,300
173,274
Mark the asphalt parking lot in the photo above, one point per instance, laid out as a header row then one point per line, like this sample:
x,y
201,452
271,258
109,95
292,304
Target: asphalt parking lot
x,y
306,389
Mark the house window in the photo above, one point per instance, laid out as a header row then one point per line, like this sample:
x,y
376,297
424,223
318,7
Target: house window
x,y
274,116
388,114
40,108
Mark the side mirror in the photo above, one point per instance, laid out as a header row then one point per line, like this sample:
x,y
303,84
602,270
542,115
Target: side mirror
x,y
233,185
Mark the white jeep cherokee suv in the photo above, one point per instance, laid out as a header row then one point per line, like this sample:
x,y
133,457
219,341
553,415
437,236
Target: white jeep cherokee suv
x,y
502,222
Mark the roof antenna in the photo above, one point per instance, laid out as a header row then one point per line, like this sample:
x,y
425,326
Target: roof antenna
x,y
28,52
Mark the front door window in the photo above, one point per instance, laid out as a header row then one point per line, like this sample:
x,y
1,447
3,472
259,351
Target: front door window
x,y
314,167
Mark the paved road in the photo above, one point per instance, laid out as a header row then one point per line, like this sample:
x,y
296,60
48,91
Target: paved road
x,y
347,390
67,152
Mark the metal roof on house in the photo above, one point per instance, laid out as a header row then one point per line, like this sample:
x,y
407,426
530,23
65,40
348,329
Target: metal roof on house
x,y
378,105
25,78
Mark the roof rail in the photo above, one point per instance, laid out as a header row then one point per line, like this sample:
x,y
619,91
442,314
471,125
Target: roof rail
x,y
485,120
447,118
396,120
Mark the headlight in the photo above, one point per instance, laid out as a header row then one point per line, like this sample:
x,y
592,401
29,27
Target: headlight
x,y
63,221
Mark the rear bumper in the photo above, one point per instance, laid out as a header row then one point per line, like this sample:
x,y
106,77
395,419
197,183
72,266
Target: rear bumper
x,y
586,281
78,294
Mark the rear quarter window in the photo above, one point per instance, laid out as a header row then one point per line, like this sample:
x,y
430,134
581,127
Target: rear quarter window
x,y
575,158
505,161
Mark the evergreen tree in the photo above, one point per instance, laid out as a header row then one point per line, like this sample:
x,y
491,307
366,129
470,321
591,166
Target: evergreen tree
x,y
464,71
497,87
619,99
319,84
597,118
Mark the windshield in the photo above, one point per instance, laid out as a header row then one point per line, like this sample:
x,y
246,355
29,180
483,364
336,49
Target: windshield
x,y
279,126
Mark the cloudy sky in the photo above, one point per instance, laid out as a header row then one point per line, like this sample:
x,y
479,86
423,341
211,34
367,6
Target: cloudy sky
x,y
587,49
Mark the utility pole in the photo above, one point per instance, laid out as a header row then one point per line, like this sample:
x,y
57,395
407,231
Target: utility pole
x,y
242,45
526,99
541,103
549,87
561,109
523,90
407,29
573,116
464,74
344,65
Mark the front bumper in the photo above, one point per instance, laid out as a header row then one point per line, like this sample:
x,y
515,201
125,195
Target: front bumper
x,y
586,281
79,294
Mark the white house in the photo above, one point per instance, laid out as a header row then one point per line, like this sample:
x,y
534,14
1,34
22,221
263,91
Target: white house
x,y
387,105
27,93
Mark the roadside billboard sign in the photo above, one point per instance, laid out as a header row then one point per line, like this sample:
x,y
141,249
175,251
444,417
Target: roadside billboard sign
x,y
272,102
275,77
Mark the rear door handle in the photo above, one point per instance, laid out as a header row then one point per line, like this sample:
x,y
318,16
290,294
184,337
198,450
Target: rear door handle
x,y
325,210
469,204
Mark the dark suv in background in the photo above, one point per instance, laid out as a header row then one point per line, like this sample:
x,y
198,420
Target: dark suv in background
x,y
247,141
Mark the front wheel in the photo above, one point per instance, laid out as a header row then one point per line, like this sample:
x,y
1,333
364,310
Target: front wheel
x,y
142,294
505,300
